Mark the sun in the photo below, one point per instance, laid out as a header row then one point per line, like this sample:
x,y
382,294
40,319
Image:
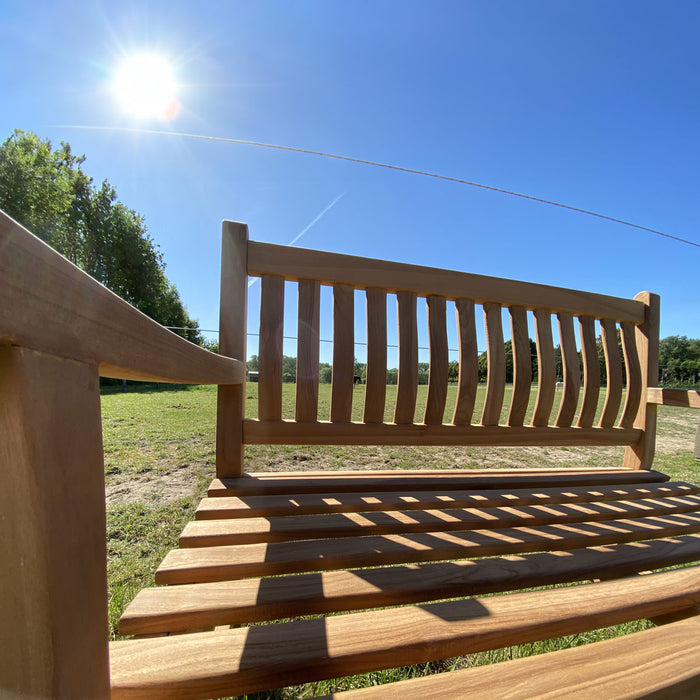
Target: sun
x,y
145,86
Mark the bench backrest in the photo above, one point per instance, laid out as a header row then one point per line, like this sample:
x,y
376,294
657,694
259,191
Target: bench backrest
x,y
626,419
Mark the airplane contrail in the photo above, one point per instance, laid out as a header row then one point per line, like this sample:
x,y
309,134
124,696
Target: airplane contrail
x,y
376,164
306,228
327,209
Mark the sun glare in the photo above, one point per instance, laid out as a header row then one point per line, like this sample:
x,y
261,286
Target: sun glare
x,y
146,87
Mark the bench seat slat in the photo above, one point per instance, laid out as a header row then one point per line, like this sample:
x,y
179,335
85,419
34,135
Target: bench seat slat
x,y
221,507
269,656
171,609
209,533
618,668
340,482
240,561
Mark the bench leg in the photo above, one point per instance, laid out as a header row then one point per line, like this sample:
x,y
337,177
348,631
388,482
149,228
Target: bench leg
x,y
53,578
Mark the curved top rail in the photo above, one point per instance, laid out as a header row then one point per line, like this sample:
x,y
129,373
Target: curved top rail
x,y
50,305
362,273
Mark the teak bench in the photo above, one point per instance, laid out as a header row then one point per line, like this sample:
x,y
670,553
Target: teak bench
x,y
423,565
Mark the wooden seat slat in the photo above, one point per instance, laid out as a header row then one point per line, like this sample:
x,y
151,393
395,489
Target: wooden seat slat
x,y
339,482
268,656
194,606
660,663
240,561
208,533
306,504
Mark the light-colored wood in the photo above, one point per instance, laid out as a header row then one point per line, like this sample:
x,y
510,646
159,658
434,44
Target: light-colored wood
x,y
439,361
375,388
659,663
591,372
468,362
641,455
270,348
262,483
613,394
187,607
332,502
633,374
257,658
48,304
228,562
210,533
343,352
546,371
230,403
571,370
308,350
496,380
361,273
323,432
53,577
408,359
522,365
674,397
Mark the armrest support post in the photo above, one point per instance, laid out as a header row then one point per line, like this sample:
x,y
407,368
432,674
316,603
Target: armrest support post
x,y
641,455
232,343
53,578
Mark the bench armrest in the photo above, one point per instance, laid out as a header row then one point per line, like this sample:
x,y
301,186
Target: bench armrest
x,y
50,305
674,397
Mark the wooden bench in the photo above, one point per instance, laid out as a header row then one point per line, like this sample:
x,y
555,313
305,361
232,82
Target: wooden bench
x,y
423,565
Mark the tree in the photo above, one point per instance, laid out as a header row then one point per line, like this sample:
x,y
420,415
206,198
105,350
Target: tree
x,y
679,361
289,369
47,191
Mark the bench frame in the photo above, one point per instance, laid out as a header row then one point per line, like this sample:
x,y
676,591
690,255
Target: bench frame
x,y
60,330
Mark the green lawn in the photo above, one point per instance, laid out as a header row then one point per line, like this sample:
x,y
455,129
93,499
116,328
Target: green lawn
x,y
159,457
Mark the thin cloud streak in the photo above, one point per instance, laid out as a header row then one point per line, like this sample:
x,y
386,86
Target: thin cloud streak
x,y
306,229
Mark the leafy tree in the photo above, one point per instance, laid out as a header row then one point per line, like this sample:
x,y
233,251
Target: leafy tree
x,y
325,373
47,191
289,369
679,361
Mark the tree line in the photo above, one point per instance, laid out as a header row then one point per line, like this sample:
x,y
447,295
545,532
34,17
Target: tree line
x,y
46,190
679,364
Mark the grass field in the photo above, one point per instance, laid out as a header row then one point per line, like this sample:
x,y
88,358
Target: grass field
x,y
159,458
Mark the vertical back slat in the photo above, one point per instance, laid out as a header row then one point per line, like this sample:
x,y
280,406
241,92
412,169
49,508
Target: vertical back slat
x,y
613,370
468,362
546,370
343,352
270,350
308,351
439,361
633,374
522,365
408,358
496,380
375,388
591,372
571,370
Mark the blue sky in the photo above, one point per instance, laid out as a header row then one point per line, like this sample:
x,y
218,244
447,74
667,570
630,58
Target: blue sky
x,y
592,104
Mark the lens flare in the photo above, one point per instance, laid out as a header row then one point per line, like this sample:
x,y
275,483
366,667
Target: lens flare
x,y
145,86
